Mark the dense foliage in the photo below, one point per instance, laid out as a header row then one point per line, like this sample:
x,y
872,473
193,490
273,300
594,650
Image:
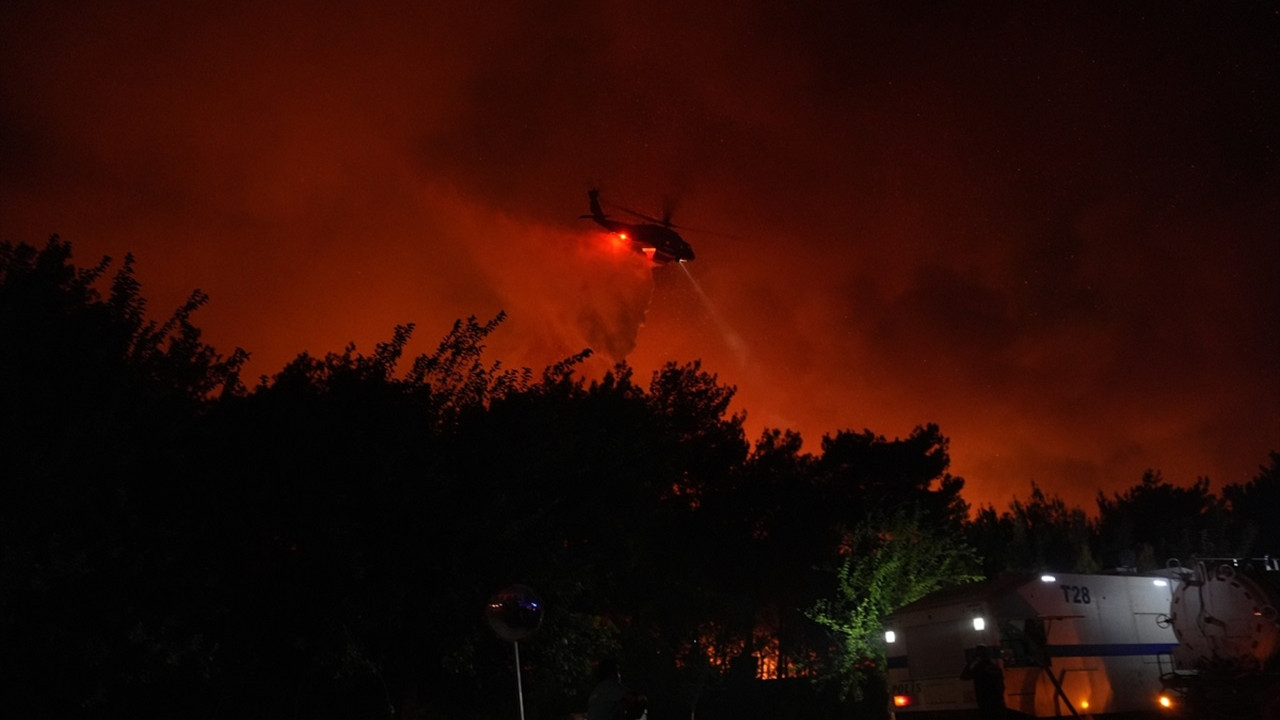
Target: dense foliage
x,y
322,545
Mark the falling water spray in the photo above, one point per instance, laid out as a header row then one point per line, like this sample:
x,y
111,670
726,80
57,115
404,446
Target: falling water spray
x,y
731,338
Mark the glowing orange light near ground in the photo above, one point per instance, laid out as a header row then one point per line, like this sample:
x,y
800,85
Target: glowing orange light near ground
x,y
721,649
901,700
718,650
1165,701
767,654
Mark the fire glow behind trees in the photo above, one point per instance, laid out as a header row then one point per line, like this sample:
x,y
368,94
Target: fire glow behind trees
x,y
1050,230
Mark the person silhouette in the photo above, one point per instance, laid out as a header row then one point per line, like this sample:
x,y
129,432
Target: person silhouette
x,y
988,683
610,699
605,702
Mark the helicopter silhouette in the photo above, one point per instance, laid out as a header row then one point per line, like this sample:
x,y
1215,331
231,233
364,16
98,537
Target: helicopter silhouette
x,y
656,239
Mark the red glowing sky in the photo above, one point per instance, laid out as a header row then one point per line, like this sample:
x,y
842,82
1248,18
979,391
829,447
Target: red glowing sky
x,y
1048,228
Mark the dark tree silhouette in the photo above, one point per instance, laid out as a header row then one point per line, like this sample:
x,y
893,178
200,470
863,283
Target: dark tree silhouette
x,y
1040,534
864,475
1253,528
1152,522
98,414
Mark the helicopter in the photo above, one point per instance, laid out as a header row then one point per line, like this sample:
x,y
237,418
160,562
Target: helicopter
x,y
655,239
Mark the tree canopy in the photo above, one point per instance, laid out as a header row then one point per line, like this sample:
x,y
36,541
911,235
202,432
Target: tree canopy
x,y
322,544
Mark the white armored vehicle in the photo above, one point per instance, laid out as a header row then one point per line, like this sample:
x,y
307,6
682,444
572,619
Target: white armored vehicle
x,y
1070,644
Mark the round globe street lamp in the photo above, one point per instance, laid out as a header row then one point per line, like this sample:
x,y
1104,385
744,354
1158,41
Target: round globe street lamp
x,y
514,612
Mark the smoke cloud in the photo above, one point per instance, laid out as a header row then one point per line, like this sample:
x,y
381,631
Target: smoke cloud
x,y
1048,229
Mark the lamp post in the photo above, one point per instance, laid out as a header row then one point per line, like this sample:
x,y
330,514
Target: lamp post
x,y
514,612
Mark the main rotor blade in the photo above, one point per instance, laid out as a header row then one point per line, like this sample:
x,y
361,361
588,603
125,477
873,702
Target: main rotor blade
x,y
667,222
638,214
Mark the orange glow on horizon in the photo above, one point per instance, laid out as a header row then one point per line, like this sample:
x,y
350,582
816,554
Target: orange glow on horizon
x,y
907,274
